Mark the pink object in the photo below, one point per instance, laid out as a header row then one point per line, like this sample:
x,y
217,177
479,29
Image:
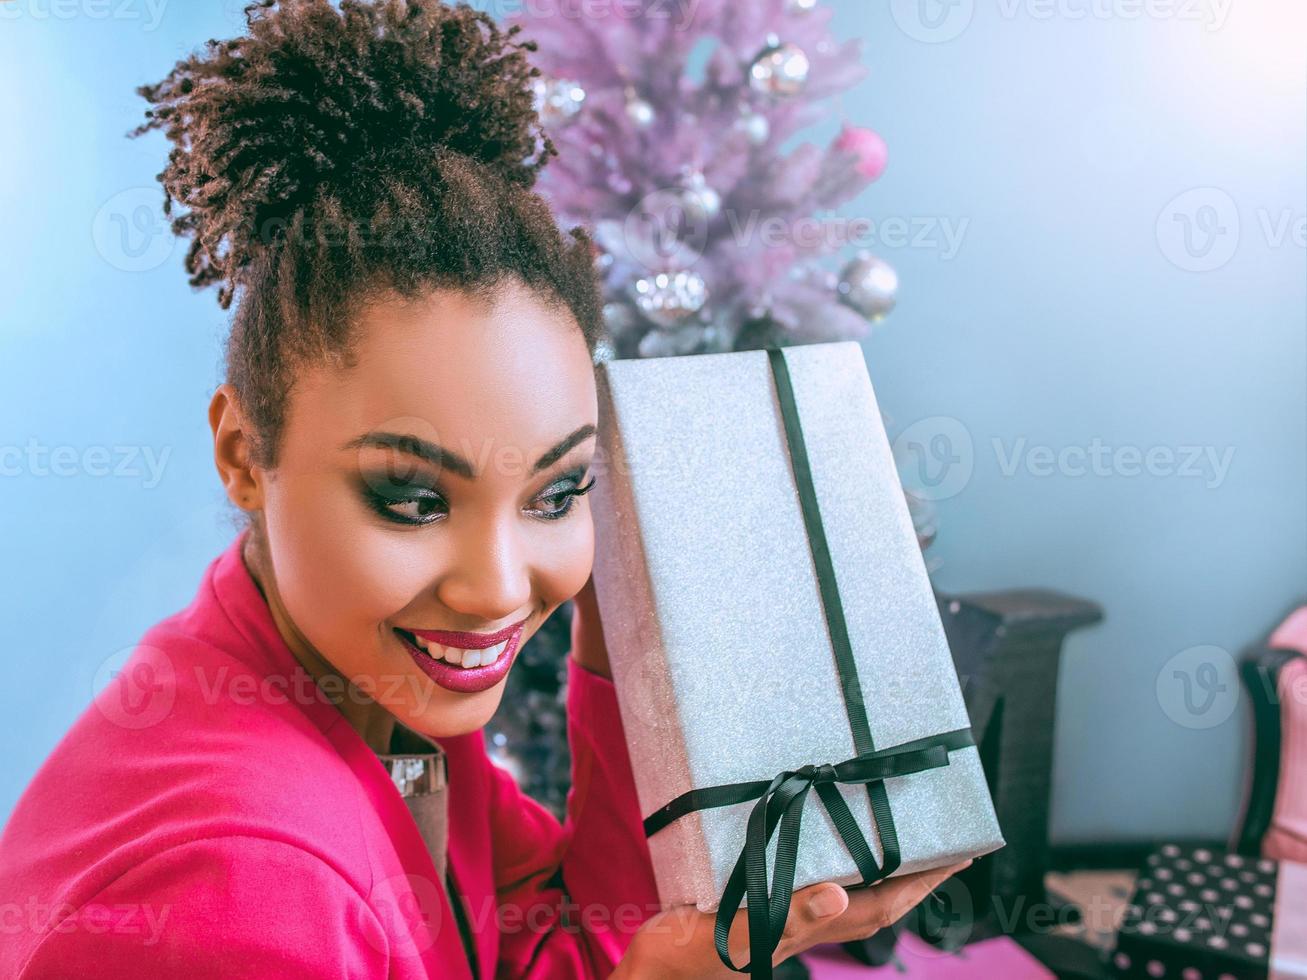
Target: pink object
x,y
1289,924
867,146
1286,837
1292,633
998,957
212,815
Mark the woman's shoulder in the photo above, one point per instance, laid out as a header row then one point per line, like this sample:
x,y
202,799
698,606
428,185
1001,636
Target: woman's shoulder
x,y
184,742
198,734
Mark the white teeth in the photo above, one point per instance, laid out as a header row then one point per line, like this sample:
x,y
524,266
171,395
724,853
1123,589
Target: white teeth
x,y
457,655
477,658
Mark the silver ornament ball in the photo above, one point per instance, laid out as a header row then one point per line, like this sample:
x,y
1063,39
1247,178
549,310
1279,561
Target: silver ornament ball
x,y
755,126
869,285
701,202
639,111
557,100
668,298
780,70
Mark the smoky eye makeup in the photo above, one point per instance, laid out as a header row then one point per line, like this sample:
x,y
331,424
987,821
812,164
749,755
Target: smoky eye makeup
x,y
413,499
402,499
563,492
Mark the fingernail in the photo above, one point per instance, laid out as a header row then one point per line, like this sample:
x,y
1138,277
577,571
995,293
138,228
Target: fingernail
x,y
825,903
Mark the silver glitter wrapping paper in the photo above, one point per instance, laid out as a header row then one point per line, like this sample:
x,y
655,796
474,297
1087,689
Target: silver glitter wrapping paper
x,y
713,619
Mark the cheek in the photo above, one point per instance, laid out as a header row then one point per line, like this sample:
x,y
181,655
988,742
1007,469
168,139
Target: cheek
x,y
338,573
565,565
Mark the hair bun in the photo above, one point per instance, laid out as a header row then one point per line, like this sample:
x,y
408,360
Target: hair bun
x,y
312,96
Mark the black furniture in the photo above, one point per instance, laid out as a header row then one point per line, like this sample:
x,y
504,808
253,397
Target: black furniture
x,y
1007,648
1259,669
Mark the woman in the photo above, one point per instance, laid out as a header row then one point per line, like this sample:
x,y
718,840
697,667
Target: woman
x,y
407,425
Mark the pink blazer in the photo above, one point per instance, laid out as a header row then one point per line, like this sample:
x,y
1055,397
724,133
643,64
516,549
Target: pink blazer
x,y
212,815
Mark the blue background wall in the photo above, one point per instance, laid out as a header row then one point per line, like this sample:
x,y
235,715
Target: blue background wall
x,y
1071,314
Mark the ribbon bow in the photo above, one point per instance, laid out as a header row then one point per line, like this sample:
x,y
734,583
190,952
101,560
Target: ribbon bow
x,y
780,802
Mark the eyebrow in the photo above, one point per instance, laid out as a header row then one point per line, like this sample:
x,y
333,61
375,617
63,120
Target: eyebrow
x,y
448,459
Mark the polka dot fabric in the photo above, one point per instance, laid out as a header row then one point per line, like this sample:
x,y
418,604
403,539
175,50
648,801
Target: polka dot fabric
x,y
1198,914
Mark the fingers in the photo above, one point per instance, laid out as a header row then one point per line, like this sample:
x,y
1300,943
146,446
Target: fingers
x,y
826,912
912,889
814,906
588,647
883,904
823,901
811,908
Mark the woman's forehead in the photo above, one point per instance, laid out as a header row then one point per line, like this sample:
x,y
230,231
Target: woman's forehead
x,y
453,336
481,376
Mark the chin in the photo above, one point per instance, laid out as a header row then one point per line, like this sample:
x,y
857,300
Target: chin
x,y
444,716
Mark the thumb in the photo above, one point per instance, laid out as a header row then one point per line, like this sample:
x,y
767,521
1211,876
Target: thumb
x,y
811,909
824,901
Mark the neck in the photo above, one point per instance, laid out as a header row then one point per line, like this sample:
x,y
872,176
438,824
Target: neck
x,y
372,721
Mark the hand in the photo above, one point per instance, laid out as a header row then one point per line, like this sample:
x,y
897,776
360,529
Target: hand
x,y
588,633
678,944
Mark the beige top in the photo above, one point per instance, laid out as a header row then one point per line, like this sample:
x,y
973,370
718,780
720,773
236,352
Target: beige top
x,y
420,772
418,768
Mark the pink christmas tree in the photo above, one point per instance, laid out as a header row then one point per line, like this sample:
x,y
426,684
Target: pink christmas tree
x,y
673,124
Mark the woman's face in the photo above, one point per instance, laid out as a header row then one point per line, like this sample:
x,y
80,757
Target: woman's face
x,y
430,486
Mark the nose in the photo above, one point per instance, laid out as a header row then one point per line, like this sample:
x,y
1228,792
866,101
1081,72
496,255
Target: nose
x,y
489,577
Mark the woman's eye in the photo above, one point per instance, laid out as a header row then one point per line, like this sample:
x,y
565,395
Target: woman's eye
x,y
404,504
560,504
416,510
427,506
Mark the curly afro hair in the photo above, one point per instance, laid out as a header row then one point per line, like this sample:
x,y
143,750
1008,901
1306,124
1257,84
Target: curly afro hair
x,y
330,155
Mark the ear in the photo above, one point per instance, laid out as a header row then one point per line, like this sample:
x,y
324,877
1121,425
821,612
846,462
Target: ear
x,y
232,441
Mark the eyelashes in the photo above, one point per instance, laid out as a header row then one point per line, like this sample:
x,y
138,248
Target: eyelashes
x,y
413,504
568,497
405,507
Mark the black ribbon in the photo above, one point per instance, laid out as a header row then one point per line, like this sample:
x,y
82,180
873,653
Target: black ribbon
x,y
781,799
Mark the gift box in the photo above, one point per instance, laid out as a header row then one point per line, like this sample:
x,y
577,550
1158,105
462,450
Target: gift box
x,y
785,686
1202,914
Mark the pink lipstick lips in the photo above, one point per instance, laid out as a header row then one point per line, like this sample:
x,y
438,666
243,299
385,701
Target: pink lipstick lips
x,y
440,654
468,641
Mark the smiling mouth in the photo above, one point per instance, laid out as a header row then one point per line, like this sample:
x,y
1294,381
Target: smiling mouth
x,y
457,656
